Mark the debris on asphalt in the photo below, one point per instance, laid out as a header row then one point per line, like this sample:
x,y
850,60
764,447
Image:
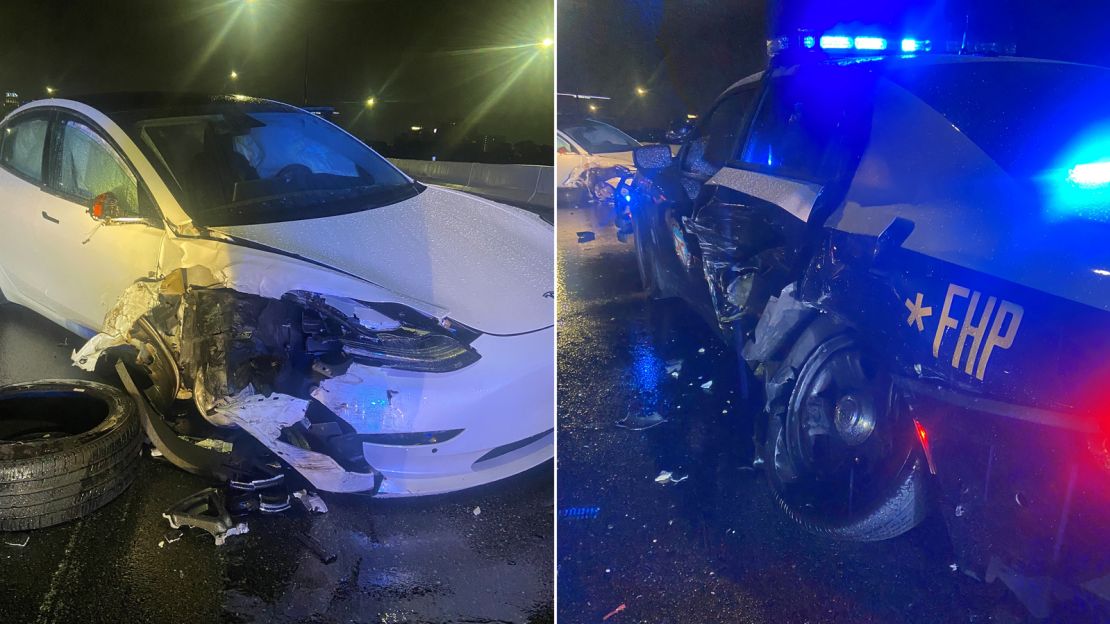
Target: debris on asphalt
x,y
311,501
212,444
580,513
620,608
673,367
707,385
666,476
701,350
585,237
205,510
170,537
640,423
155,453
477,511
311,543
18,539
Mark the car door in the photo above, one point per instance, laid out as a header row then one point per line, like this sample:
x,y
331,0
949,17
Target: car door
x,y
568,161
85,264
674,247
22,151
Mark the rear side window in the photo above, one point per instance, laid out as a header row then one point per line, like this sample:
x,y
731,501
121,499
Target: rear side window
x,y
22,149
805,119
719,133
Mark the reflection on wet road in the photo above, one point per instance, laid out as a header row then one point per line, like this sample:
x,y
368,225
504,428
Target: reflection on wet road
x,y
712,547
397,561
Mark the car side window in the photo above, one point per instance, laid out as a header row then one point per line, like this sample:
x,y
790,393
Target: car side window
x,y
87,166
717,137
24,140
797,129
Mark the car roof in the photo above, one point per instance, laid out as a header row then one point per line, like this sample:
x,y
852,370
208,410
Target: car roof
x,y
122,102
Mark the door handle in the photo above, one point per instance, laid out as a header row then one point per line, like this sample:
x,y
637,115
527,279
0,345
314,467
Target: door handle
x,y
49,218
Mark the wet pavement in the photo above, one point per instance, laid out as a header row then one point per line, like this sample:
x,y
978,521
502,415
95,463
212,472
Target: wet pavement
x,y
713,547
423,560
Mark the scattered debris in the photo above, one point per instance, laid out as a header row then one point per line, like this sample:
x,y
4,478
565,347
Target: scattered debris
x,y
325,556
477,511
170,537
953,567
580,513
707,385
959,510
311,502
640,423
666,476
701,350
620,608
18,539
674,367
585,237
205,510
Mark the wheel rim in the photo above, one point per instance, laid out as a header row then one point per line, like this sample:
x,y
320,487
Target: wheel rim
x,y
841,441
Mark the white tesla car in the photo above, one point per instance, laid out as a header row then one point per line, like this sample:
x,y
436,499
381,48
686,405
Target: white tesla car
x,y
585,144
372,332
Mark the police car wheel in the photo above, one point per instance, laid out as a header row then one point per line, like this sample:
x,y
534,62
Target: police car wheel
x,y
840,453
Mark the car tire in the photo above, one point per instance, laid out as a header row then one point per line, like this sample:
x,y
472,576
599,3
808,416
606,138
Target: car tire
x,y
895,499
67,448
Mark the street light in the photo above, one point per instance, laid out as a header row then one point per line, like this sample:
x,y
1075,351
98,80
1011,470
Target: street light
x,y
234,75
51,90
640,91
547,42
593,108
370,102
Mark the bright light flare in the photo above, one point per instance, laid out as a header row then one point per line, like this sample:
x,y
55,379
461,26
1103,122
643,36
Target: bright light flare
x,y
870,43
370,102
234,75
923,437
640,91
835,42
1090,175
547,42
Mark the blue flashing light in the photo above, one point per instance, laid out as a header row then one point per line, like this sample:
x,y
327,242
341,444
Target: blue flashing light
x,y
836,42
870,43
808,41
915,45
1090,175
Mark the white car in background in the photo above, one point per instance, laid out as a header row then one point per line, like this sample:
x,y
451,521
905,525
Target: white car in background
x,y
584,144
288,280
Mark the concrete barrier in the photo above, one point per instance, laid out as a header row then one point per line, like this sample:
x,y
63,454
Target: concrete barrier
x,y
531,187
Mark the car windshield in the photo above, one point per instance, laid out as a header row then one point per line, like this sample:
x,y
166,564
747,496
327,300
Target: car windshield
x,y
232,165
600,138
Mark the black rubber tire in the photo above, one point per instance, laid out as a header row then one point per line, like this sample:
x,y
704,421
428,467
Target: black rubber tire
x,y
48,482
899,507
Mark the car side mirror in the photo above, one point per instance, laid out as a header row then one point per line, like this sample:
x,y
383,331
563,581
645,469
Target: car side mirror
x,y
563,150
651,157
105,208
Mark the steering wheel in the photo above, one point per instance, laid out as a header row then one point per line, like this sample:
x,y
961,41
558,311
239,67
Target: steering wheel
x,y
293,173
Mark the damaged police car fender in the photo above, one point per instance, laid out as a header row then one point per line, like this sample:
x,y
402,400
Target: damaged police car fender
x,y
918,295
364,328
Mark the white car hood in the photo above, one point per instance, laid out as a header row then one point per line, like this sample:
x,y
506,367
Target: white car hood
x,y
488,264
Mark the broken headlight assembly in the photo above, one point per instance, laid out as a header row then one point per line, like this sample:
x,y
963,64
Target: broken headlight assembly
x,y
233,342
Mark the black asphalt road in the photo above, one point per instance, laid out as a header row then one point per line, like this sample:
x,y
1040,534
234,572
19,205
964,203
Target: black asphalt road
x,y
713,547
429,560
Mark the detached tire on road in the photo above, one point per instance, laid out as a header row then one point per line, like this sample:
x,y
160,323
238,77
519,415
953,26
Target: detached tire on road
x,y
840,452
67,448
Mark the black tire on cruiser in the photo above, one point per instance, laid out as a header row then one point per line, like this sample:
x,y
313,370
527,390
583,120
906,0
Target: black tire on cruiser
x,y
67,448
840,452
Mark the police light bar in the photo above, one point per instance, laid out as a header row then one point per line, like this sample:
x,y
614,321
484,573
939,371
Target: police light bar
x,y
844,43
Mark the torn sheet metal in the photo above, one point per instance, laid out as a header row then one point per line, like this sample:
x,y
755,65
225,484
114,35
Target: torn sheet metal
x,y
139,299
264,417
781,319
365,403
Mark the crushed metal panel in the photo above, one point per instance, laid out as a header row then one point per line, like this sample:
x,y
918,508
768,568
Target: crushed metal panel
x,y
264,418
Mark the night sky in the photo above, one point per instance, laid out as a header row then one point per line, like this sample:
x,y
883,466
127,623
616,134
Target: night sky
x,y
475,62
685,52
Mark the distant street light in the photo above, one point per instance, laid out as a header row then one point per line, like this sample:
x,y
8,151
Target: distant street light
x,y
51,90
593,108
547,42
234,75
640,91
370,102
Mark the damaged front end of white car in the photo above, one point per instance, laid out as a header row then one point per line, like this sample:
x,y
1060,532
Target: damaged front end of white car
x,y
308,377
